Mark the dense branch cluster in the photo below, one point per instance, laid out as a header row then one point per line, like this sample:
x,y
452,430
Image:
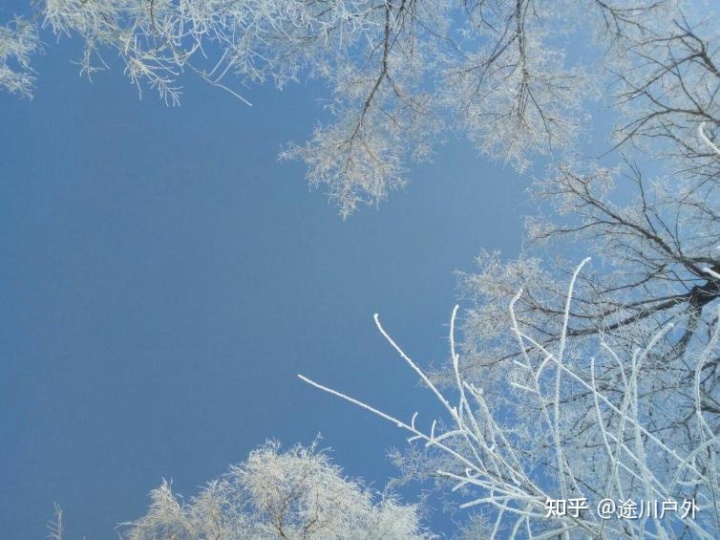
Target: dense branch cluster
x,y
403,73
561,433
298,494
608,389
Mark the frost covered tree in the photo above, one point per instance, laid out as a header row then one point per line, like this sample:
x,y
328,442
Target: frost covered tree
x,y
607,388
404,74
656,232
655,238
297,494
560,454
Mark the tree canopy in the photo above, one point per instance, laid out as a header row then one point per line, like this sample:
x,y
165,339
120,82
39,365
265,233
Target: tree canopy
x,y
572,381
403,74
297,494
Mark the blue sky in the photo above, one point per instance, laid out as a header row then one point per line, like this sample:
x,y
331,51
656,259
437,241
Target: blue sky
x,y
165,279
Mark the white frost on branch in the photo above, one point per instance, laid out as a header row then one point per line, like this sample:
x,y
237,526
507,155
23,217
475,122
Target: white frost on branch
x,y
703,136
18,41
297,494
403,75
513,463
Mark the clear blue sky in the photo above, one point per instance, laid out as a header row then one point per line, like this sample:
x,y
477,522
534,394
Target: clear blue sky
x,y
164,279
